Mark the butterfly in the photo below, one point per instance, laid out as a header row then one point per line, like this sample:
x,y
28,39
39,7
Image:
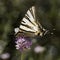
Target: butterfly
x,y
30,26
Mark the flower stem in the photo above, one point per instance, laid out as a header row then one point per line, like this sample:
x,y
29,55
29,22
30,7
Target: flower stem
x,y
22,56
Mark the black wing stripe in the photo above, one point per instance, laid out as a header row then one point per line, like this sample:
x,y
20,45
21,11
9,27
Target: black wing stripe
x,y
27,15
27,26
29,20
26,31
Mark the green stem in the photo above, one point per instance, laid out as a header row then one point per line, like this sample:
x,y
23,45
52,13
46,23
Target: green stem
x,y
23,56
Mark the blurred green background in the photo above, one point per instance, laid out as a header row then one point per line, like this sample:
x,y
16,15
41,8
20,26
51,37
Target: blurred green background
x,y
47,13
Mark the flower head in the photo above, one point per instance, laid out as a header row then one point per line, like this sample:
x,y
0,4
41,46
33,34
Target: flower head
x,y
23,43
39,49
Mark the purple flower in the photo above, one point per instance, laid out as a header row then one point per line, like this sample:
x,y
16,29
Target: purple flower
x,y
23,43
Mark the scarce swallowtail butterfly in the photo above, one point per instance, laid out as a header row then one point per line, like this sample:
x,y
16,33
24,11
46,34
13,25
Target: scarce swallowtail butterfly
x,y
29,25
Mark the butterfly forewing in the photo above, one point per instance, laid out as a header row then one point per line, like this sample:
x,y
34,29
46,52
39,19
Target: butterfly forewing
x,y
29,25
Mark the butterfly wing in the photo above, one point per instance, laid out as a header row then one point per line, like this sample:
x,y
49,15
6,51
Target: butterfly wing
x,y
29,25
